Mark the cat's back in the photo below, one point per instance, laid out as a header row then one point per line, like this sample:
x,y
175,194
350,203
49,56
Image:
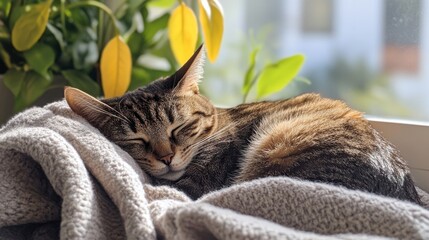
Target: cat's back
x,y
308,115
320,139
310,105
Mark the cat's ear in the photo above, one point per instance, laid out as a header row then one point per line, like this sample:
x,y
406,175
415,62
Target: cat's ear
x,y
87,106
185,80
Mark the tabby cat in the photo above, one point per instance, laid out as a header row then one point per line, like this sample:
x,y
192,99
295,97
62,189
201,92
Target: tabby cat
x,y
178,137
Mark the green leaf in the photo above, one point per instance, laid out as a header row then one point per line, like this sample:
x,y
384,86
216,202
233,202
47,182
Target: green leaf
x,y
84,54
278,75
30,26
142,76
33,87
139,77
13,80
136,44
250,73
5,57
135,5
122,10
5,7
4,31
15,13
40,58
161,3
153,27
79,17
58,35
82,81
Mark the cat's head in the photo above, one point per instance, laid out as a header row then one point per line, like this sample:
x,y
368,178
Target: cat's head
x,y
160,125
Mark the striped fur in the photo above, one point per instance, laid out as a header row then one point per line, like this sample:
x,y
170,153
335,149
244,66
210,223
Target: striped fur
x,y
181,139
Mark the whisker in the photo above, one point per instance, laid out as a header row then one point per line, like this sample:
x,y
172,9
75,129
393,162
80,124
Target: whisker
x,y
197,164
97,109
217,134
120,110
100,110
205,143
196,148
220,114
210,144
208,141
120,113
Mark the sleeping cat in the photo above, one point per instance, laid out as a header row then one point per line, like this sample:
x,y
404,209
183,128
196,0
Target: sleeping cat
x,y
178,137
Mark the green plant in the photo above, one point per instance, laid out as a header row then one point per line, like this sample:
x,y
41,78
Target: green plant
x,y
273,77
100,47
95,46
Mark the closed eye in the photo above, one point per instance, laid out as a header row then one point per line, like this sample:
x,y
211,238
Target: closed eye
x,y
137,140
201,114
173,132
187,129
134,140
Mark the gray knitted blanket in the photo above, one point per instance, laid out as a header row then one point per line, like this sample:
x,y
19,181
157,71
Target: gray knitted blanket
x,y
59,177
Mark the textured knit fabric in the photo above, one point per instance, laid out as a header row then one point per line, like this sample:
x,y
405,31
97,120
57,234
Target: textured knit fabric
x,y
59,177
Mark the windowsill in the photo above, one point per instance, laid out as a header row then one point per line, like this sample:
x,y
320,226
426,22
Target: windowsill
x,y
411,138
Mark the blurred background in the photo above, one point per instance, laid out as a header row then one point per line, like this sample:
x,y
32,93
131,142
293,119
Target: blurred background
x,y
370,53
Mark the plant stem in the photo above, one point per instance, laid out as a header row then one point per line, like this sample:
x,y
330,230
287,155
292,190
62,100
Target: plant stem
x,y
130,31
18,2
63,17
246,94
100,30
98,76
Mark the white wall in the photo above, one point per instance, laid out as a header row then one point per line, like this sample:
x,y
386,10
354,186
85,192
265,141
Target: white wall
x,y
357,34
360,30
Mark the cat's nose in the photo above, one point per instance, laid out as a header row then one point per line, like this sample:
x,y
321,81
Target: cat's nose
x,y
167,158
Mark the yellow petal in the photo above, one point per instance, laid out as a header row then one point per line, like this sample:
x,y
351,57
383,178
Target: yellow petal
x,y
211,18
183,32
115,67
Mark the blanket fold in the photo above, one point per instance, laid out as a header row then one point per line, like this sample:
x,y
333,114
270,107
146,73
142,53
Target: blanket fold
x,y
60,177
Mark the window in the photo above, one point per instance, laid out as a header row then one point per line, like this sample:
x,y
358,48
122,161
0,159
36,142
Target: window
x,y
402,35
317,16
372,57
262,17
